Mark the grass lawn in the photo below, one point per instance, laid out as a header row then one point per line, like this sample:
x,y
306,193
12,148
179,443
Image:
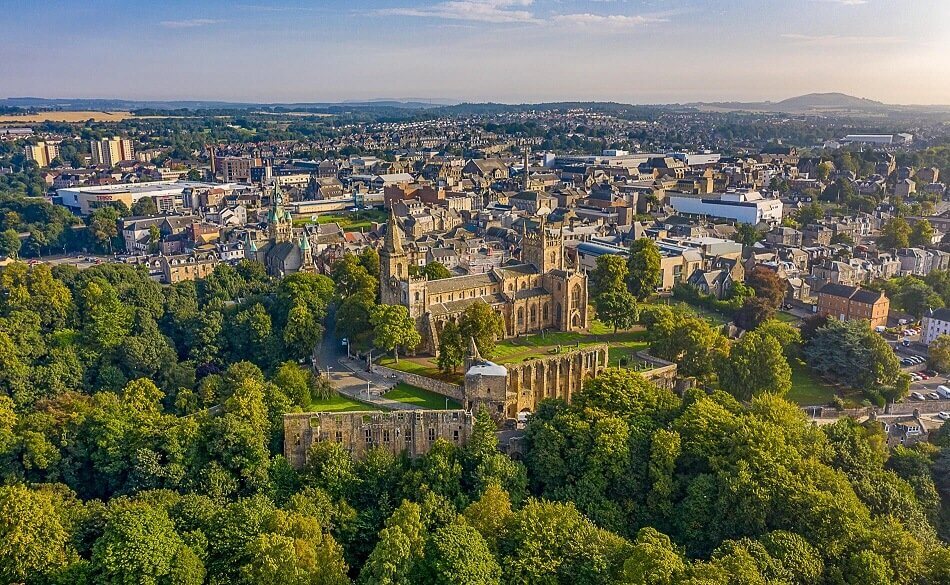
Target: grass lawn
x,y
808,389
713,317
528,347
350,222
422,398
520,349
786,317
423,366
339,403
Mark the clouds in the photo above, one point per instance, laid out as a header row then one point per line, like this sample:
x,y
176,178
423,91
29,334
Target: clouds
x,y
190,23
841,40
515,11
611,20
494,11
844,2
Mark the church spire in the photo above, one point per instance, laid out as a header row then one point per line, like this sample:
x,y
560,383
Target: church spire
x,y
393,241
525,178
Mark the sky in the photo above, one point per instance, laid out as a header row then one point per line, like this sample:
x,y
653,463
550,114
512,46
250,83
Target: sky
x,y
514,51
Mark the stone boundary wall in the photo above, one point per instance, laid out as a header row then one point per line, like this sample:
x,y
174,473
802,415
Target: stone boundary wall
x,y
453,391
906,407
921,406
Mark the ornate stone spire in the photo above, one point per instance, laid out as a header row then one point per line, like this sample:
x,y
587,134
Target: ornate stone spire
x,y
393,241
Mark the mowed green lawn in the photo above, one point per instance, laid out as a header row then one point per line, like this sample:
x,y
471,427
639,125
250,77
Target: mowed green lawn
x,y
423,366
807,388
349,222
422,398
520,349
339,403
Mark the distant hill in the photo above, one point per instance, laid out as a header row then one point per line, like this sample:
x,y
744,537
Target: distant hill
x,y
811,102
826,100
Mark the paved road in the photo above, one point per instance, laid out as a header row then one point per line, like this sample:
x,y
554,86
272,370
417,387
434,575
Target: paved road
x,y
347,376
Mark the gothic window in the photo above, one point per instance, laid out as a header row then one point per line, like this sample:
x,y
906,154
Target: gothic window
x,y
576,295
553,257
557,312
534,315
524,285
417,296
544,312
520,316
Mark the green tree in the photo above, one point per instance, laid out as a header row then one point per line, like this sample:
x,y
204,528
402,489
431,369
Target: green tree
x,y
939,353
756,364
852,353
483,324
353,319
138,545
104,227
9,243
921,233
436,271
144,206
193,175
351,278
33,540
302,331
458,555
788,336
689,341
746,234
610,274
451,348
394,328
895,233
617,308
824,169
810,213
644,268
401,547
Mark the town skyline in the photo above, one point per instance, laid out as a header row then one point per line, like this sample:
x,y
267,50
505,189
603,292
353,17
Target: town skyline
x,y
510,51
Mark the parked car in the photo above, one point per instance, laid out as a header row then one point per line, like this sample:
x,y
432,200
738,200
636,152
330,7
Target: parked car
x,y
924,376
943,415
931,373
943,391
933,396
917,396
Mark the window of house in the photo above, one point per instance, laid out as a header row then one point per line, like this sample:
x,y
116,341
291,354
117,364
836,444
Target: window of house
x,y
431,434
368,434
339,436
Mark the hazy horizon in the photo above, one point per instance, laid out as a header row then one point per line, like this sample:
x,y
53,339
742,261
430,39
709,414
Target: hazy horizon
x,y
509,51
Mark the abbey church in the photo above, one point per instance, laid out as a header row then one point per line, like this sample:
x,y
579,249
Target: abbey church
x,y
539,292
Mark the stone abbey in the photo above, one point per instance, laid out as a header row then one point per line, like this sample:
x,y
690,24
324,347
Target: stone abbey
x,y
539,292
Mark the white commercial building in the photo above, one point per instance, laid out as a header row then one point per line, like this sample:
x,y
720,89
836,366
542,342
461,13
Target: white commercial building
x,y
168,195
740,206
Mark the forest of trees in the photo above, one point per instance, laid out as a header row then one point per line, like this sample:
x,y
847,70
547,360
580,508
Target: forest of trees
x,y
140,442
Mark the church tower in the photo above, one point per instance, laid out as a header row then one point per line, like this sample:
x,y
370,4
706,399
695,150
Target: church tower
x,y
280,224
543,250
306,254
393,263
